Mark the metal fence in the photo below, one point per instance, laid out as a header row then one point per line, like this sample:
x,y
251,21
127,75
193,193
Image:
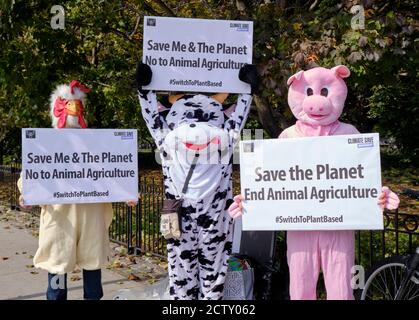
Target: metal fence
x,y
138,228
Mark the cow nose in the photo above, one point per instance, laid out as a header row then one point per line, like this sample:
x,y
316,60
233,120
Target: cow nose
x,y
192,125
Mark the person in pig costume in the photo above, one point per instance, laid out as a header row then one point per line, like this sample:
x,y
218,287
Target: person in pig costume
x,y
72,235
316,98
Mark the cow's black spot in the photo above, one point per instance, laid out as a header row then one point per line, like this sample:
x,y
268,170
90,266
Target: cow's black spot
x,y
157,123
174,242
187,96
202,260
169,195
188,255
209,269
227,246
220,196
205,221
217,239
228,203
211,277
218,288
193,293
181,283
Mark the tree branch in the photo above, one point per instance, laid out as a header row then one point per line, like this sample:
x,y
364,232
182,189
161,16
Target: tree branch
x,y
137,23
266,117
165,8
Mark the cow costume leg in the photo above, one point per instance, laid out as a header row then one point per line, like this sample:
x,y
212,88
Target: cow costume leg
x,y
198,261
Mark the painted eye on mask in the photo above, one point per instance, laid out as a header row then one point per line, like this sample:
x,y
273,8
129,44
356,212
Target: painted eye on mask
x,y
189,115
324,92
309,91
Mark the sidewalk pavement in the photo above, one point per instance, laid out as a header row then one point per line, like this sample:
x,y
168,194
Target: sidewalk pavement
x,y
20,280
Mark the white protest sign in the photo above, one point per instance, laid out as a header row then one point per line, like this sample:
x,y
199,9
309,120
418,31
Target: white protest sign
x,y
315,183
79,165
197,54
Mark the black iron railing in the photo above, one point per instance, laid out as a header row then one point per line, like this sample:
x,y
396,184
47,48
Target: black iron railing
x,y
138,228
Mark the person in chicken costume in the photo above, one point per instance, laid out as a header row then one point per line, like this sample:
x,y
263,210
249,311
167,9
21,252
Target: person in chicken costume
x,y
316,98
72,235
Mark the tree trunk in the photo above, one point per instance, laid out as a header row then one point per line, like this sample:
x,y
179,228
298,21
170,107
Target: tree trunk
x,y
270,122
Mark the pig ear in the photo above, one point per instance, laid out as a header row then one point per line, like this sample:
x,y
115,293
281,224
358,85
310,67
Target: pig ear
x,y
228,111
341,71
296,76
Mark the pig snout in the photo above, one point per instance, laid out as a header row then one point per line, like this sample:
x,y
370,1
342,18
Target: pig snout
x,y
317,106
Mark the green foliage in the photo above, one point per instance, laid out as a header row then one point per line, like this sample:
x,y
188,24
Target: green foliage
x,y
102,42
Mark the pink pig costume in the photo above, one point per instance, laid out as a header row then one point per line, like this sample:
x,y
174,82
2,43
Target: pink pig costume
x,y
316,98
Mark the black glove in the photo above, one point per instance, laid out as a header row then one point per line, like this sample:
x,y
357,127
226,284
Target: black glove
x,y
248,73
143,75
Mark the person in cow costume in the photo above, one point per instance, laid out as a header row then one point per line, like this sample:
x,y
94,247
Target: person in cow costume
x,y
72,235
316,98
197,131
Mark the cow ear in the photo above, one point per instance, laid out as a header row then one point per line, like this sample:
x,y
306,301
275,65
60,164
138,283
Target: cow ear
x,y
295,77
161,107
220,97
228,110
174,98
341,71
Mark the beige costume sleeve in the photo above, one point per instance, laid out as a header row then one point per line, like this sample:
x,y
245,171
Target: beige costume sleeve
x,y
19,183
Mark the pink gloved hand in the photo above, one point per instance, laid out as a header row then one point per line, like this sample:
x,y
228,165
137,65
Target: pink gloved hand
x,y
388,199
236,208
132,203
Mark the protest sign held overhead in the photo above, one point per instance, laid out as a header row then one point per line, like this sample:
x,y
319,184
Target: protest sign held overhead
x,y
334,188
197,54
79,166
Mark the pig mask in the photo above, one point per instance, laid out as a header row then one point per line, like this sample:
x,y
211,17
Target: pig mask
x,y
317,96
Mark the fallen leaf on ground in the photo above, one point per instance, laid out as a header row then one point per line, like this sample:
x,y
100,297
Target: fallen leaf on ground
x,y
34,272
133,277
4,258
29,266
75,278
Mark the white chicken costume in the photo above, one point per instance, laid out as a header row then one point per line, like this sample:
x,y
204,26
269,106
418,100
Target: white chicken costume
x,y
72,235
